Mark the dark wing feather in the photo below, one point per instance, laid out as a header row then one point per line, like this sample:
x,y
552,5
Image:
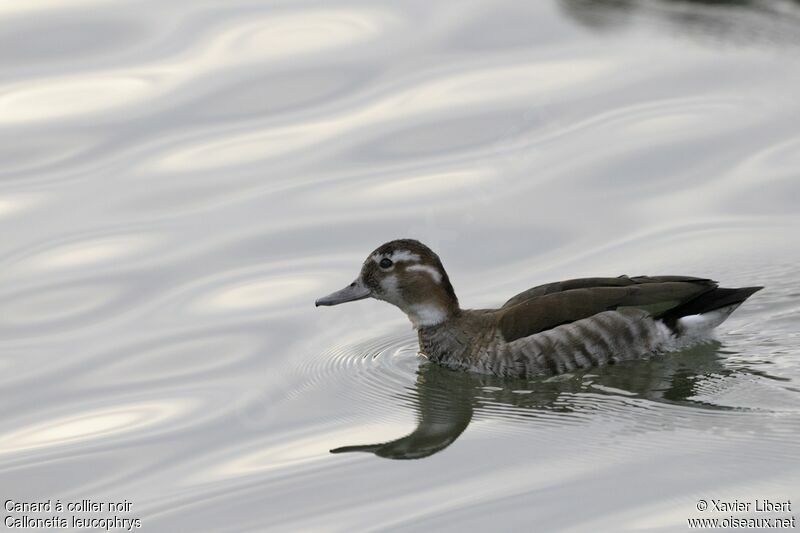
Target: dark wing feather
x,y
568,301
587,283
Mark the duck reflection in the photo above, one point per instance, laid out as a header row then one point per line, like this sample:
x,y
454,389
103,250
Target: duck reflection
x,y
445,400
736,20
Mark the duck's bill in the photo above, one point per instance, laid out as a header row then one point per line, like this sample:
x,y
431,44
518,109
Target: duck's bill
x,y
354,291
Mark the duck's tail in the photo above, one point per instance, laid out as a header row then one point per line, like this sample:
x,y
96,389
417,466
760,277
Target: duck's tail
x,y
707,311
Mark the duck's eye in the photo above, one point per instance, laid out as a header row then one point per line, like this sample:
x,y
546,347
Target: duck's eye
x,y
386,263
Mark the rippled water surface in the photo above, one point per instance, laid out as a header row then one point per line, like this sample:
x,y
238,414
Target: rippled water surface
x,y
180,180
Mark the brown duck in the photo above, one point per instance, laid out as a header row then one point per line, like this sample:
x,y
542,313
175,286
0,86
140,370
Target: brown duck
x,y
550,329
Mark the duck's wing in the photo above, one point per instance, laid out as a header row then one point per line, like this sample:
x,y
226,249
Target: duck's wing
x,y
589,283
551,305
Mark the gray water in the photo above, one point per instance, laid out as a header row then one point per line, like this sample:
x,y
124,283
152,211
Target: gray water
x,y
180,180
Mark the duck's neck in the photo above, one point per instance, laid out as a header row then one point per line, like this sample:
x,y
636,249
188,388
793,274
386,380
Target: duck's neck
x,y
427,315
446,340
459,339
433,309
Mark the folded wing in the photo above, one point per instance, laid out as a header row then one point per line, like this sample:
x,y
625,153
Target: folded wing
x,y
547,306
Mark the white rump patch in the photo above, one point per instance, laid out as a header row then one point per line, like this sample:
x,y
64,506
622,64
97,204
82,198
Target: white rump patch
x,y
423,315
694,329
701,325
431,271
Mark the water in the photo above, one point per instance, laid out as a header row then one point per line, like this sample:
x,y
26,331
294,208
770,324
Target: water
x,y
180,180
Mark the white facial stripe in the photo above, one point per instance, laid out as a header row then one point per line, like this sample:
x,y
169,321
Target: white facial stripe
x,y
389,285
396,256
403,255
432,272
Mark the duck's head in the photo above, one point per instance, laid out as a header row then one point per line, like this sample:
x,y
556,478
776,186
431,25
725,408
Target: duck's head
x,y
405,273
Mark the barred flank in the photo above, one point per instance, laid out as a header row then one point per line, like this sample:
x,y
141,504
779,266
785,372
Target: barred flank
x,y
604,338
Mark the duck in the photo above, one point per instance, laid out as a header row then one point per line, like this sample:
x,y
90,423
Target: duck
x,y
550,329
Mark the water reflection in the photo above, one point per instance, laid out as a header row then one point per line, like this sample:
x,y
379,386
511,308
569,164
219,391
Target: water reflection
x,y
446,400
744,21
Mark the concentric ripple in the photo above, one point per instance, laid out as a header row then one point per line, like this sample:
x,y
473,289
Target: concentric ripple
x,y
370,372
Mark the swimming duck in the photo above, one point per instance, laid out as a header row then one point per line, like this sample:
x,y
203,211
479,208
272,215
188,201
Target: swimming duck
x,y
546,330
